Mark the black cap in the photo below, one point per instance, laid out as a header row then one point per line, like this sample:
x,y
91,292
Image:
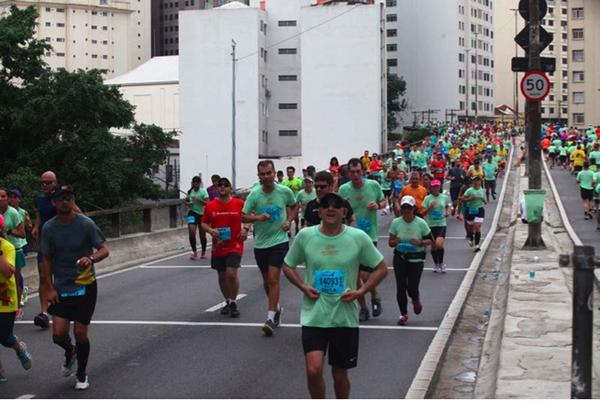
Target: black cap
x,y
331,198
62,189
224,180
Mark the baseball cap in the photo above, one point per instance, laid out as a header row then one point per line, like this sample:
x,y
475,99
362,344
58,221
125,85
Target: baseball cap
x,y
308,178
62,189
331,198
408,200
16,192
435,183
224,180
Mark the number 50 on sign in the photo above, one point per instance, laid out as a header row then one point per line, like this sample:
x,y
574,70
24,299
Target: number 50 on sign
x,y
535,86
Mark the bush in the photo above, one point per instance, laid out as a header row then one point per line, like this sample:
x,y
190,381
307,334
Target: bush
x,y
417,135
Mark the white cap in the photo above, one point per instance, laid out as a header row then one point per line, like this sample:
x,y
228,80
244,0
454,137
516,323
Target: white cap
x,y
408,200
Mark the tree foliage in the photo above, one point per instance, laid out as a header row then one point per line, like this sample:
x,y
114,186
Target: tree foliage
x,y
396,89
61,121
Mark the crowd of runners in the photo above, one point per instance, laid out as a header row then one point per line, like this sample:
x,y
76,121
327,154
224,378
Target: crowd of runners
x,y
577,151
333,216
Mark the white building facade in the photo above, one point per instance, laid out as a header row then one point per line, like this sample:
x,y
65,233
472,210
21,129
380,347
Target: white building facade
x,y
106,34
445,52
310,84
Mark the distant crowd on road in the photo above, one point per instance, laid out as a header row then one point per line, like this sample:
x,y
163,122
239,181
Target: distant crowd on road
x,y
577,151
332,214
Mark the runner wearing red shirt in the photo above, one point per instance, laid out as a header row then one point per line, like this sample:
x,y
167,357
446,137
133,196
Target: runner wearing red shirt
x,y
222,219
438,167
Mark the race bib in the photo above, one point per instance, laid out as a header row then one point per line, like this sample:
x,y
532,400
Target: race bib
x,y
473,211
191,219
364,225
436,214
406,247
224,233
274,213
438,170
77,293
330,281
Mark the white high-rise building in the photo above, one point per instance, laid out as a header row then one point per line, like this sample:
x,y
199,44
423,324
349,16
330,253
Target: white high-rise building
x,y
445,52
310,84
107,34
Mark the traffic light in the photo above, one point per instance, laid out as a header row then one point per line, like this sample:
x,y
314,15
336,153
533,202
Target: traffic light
x,y
520,64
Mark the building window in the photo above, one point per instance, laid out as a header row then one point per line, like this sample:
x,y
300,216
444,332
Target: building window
x,y
578,13
392,62
288,77
288,132
578,76
577,34
392,47
288,51
286,23
60,24
391,18
288,106
579,118
577,55
578,98
94,27
392,33
60,54
391,3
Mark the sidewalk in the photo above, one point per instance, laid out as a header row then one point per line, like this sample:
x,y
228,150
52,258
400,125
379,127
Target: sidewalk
x,y
535,351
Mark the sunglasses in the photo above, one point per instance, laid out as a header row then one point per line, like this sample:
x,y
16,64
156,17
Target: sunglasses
x,y
223,185
333,205
47,182
63,198
406,207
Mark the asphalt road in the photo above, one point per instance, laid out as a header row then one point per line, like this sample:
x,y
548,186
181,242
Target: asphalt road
x,y
158,334
570,196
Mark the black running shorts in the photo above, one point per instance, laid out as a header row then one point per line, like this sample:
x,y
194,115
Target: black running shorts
x,y
340,342
220,263
438,232
587,194
77,309
272,256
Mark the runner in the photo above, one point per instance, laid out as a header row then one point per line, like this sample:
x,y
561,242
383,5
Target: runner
x,y
222,220
586,181
578,157
212,190
323,185
333,254
409,235
305,196
414,189
456,175
68,279
10,303
490,171
366,197
597,196
295,184
438,168
436,207
271,208
14,231
15,196
197,198
474,198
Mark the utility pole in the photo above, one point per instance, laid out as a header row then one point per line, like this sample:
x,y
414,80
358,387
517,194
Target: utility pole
x,y
534,125
516,99
467,73
233,71
476,78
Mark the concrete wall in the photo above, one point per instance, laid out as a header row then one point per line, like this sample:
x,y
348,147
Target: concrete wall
x,y
341,82
154,104
205,68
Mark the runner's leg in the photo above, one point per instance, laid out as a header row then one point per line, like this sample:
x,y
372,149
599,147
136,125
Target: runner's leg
x,y
400,272
341,382
314,374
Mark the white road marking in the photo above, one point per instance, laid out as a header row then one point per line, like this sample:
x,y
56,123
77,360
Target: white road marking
x,y
26,397
237,324
222,304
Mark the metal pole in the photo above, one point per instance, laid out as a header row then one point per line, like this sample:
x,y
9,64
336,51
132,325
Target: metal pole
x,y
468,72
516,73
233,69
534,125
476,80
583,322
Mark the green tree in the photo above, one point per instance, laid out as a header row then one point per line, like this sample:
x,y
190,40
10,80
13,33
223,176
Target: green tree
x,y
61,121
396,89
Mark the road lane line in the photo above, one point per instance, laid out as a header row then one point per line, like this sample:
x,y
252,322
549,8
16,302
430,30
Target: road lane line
x,y
450,269
222,304
26,397
237,324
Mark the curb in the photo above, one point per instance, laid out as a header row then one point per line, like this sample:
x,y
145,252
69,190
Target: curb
x,y
429,365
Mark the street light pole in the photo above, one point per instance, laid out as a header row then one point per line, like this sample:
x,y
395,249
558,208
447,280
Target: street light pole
x,y
516,97
233,70
476,80
467,73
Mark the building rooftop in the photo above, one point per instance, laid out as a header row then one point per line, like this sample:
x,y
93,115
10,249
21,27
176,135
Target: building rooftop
x,y
234,4
157,70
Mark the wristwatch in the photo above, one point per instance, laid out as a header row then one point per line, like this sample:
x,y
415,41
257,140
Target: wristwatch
x,y
91,258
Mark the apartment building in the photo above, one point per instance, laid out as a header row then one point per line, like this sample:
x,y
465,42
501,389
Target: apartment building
x,y
584,59
165,22
445,54
85,34
310,84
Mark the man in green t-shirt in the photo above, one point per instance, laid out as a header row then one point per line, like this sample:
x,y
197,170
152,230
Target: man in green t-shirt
x,y
305,196
436,207
295,184
490,170
272,208
332,253
474,199
586,180
197,198
365,197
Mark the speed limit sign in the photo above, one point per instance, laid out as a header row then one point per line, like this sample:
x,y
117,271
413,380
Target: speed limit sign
x,y
535,86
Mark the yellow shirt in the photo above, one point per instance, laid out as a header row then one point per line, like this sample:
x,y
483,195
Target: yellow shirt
x,y
578,157
503,153
454,153
8,285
